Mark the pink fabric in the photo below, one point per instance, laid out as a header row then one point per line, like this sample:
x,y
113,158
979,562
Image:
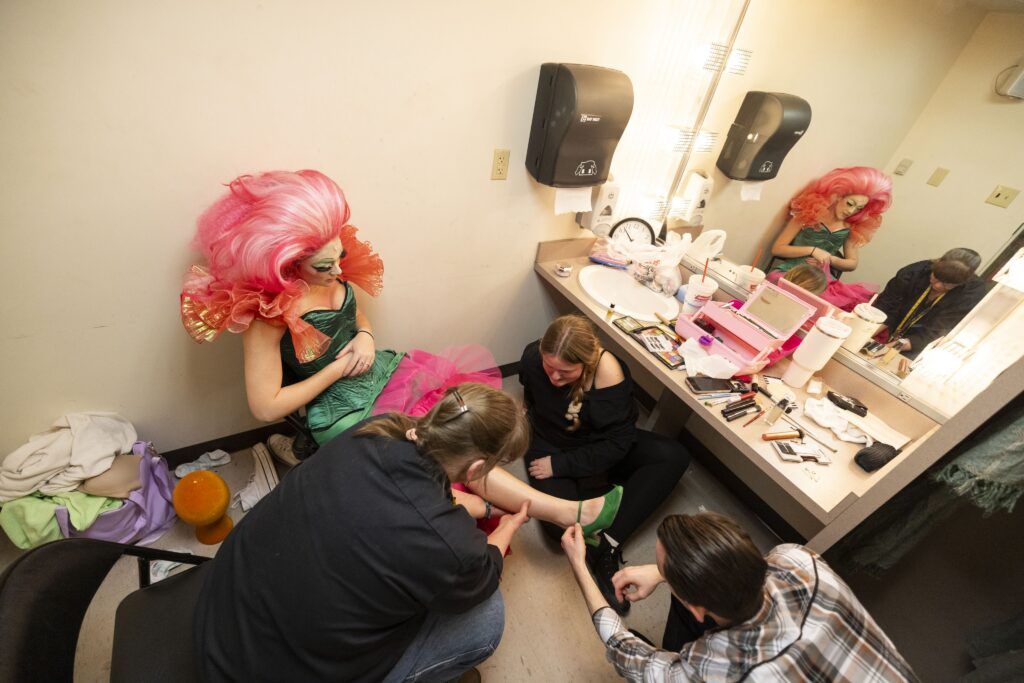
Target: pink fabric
x,y
843,296
422,378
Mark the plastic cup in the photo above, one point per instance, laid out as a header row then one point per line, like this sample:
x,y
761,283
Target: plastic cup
x,y
748,279
814,351
863,322
698,293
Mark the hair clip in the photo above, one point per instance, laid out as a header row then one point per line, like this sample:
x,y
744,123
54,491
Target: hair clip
x,y
463,408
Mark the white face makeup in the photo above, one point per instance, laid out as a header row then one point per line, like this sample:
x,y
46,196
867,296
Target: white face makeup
x,y
322,268
559,372
849,205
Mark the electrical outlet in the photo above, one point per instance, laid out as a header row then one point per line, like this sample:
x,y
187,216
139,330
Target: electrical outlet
x,y
499,166
1002,196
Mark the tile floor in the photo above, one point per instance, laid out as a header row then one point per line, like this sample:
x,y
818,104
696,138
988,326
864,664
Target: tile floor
x,y
548,635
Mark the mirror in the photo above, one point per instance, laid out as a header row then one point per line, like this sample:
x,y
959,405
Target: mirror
x,y
949,179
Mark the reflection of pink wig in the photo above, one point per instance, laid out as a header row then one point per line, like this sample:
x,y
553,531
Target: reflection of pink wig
x,y
813,204
253,238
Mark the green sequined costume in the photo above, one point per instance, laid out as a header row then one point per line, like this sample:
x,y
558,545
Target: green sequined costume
x,y
832,242
350,399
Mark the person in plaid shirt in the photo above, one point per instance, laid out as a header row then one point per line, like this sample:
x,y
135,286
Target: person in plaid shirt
x,y
738,616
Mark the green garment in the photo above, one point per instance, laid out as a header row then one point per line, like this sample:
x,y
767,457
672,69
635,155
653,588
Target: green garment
x,y
30,521
350,399
990,472
819,237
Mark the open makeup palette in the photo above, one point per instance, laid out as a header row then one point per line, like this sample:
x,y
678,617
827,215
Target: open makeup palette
x,y
747,336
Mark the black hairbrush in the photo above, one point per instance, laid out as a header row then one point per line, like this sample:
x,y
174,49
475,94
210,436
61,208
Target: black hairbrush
x,y
871,458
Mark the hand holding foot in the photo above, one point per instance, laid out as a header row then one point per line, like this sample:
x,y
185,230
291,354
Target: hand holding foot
x,y
508,526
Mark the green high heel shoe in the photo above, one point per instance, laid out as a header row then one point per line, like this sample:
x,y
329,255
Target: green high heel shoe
x,y
604,519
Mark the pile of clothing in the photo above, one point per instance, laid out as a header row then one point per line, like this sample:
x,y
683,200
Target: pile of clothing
x,y
88,475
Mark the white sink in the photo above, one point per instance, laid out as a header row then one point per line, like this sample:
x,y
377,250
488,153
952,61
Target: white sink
x,y
609,286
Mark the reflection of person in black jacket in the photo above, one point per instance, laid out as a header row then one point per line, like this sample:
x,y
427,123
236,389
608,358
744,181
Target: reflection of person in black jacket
x,y
926,300
579,399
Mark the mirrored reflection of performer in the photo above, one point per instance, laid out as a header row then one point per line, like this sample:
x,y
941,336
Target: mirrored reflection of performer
x,y
832,218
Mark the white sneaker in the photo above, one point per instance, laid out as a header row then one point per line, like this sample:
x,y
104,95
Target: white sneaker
x,y
263,479
281,447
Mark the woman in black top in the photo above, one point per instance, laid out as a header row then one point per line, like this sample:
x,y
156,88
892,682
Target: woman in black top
x,y
359,566
579,399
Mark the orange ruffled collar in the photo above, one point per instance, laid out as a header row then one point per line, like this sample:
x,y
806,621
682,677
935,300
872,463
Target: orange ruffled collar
x,y
209,305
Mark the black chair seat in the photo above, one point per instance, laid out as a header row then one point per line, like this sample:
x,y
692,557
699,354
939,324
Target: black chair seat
x,y
46,591
142,649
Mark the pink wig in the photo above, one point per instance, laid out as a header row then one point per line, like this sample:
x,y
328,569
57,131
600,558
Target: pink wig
x,y
253,238
813,204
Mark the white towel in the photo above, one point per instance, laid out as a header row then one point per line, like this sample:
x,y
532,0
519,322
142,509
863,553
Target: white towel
x,y
77,447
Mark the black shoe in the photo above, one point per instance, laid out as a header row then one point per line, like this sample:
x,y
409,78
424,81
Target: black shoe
x,y
604,561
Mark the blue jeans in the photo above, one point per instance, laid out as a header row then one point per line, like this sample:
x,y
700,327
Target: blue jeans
x,y
449,644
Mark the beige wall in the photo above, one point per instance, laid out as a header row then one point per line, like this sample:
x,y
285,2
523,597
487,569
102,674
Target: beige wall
x,y
121,120
979,137
867,68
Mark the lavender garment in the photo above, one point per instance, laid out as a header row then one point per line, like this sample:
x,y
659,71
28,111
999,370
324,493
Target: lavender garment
x,y
147,512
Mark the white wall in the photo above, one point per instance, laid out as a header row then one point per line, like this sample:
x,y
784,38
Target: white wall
x,y
867,68
979,137
122,119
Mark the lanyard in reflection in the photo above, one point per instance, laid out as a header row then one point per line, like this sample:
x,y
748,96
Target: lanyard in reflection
x,y
909,320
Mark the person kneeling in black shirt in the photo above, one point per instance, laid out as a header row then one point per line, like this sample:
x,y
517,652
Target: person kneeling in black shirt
x,y
359,566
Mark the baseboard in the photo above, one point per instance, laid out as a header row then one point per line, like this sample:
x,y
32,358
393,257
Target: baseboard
x,y
231,443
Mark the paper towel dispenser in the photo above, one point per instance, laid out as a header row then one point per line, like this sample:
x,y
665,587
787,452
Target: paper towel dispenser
x,y
578,118
766,128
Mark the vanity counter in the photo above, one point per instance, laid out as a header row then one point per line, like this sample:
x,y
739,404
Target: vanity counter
x,y
821,502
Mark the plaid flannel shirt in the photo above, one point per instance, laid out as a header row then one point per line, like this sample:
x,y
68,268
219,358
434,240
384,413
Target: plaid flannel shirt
x,y
810,628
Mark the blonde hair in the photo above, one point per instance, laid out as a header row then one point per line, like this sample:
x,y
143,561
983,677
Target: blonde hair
x,y
493,428
811,279
573,339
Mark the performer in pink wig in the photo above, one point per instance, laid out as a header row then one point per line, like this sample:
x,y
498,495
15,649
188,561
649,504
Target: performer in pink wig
x,y
832,218
281,261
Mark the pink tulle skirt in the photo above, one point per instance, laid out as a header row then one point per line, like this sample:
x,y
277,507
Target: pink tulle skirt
x,y
421,378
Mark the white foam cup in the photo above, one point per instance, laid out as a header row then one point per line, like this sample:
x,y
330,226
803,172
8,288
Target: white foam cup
x,y
864,323
749,279
698,293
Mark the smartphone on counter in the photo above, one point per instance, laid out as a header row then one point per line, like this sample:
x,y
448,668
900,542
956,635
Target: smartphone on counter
x,y
711,385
